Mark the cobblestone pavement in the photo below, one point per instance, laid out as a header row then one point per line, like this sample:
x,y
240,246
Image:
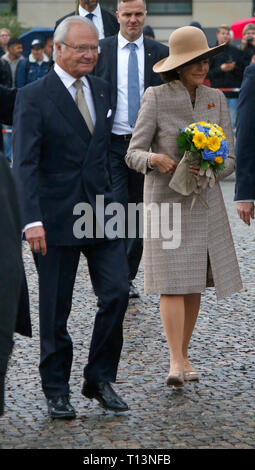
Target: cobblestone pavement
x,y
216,413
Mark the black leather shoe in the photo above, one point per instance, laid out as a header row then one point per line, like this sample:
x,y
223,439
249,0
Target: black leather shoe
x,y
105,395
133,292
60,407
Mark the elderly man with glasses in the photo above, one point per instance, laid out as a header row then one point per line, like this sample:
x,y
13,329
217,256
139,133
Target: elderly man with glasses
x,y
61,137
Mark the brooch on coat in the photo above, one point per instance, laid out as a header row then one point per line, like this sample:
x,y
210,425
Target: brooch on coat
x,y
211,105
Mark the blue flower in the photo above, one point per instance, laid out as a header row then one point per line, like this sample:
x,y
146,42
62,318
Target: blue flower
x,y
206,131
208,154
223,150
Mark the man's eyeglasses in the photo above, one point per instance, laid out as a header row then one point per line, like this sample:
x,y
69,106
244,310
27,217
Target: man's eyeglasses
x,y
84,49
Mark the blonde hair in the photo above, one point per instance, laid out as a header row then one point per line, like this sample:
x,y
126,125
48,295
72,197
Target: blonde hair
x,y
5,30
223,26
247,27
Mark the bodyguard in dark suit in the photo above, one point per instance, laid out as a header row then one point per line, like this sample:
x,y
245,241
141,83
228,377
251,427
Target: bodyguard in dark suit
x,y
129,73
11,268
14,303
105,22
245,148
7,101
61,136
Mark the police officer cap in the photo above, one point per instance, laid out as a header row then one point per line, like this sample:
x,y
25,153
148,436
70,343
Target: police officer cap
x,y
37,43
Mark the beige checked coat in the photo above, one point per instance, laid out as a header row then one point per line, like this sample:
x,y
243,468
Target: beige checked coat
x,y
206,245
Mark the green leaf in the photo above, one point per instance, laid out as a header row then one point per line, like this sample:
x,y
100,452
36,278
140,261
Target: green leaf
x,y
205,165
193,148
182,137
221,166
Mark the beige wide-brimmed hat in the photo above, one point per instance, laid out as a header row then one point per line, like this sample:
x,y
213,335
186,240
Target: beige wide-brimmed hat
x,y
185,45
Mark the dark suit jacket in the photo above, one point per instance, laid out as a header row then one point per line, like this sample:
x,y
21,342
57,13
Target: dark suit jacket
x,y
10,213
11,267
7,101
111,25
245,140
57,163
107,64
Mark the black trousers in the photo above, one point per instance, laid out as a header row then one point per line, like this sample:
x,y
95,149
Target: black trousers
x,y
109,276
127,188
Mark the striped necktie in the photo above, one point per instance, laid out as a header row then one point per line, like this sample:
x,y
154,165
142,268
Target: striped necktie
x,y
82,104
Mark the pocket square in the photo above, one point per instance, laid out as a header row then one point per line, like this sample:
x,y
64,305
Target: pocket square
x,y
109,113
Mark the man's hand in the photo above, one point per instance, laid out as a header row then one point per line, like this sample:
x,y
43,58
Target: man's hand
x,y
36,239
245,211
227,67
164,163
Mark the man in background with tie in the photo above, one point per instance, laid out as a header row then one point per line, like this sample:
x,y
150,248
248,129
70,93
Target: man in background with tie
x,y
126,62
61,136
105,22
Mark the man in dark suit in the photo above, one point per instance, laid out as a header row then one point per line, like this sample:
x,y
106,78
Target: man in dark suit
x,y
61,135
105,22
10,268
7,101
14,303
128,80
245,148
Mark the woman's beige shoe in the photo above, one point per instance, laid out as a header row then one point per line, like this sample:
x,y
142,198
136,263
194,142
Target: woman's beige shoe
x,y
176,380
191,375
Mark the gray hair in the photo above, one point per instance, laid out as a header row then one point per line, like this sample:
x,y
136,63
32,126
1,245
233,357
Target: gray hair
x,y
63,28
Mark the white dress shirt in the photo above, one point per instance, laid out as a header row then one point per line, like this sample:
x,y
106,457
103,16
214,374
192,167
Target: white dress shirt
x,y
97,19
121,124
68,81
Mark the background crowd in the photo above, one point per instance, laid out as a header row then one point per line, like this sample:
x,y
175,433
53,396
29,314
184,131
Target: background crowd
x,y
226,70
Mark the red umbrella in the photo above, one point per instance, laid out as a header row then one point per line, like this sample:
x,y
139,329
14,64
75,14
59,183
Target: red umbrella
x,y
239,25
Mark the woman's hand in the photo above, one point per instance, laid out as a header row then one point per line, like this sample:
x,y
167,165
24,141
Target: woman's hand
x,y
194,169
163,163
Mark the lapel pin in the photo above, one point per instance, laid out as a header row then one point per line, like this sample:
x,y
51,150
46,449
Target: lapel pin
x,y
211,105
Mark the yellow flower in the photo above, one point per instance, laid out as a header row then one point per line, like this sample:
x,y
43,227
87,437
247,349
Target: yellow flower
x,y
199,140
213,143
218,159
212,132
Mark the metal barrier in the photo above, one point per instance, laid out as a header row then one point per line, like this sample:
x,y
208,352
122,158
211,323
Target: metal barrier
x,y
230,89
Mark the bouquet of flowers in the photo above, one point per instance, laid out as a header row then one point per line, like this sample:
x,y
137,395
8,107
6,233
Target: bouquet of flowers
x,y
203,144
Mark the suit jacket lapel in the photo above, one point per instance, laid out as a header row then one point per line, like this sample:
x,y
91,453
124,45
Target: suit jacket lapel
x,y
97,97
114,69
65,103
148,63
107,32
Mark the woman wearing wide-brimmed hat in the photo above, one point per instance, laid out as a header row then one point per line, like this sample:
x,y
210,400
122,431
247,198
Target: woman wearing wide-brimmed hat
x,y
206,255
